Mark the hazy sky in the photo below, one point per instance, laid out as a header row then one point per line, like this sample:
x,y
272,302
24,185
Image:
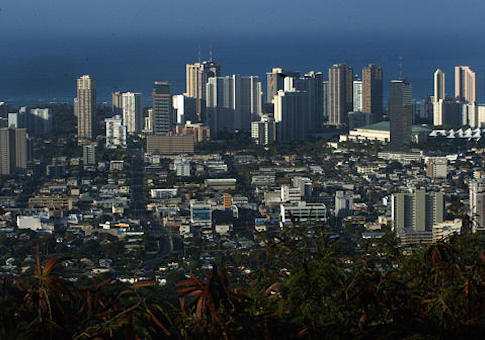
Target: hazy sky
x,y
268,17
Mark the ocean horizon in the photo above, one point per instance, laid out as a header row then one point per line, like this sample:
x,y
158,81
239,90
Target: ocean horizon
x,y
40,71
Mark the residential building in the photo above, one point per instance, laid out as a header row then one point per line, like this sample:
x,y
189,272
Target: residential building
x,y
13,151
132,111
372,89
85,107
344,202
290,194
340,94
302,212
275,81
89,154
185,109
437,167
182,167
291,113
117,103
477,204
264,131
161,144
357,95
116,132
465,84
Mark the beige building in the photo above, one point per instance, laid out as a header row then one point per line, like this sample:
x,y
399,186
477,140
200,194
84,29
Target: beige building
x,y
160,144
340,94
372,90
465,84
13,150
197,75
85,107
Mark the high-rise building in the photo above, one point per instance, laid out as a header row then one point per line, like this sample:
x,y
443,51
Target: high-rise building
x,y
197,75
401,115
13,150
340,94
85,106
415,213
275,81
439,85
372,90
37,121
291,113
477,204
344,202
115,132
117,102
312,83
357,95
163,120
132,111
185,109
264,131
325,100
232,102
465,84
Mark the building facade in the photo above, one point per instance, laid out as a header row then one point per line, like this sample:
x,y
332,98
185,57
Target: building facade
x,y
85,107
401,115
340,94
162,115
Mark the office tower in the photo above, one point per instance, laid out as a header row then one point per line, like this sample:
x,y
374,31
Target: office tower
x,y
465,84
340,93
117,102
13,150
232,101
197,75
85,106
325,100
439,85
89,154
415,213
291,112
115,132
163,120
437,167
357,95
264,131
372,90
185,109
132,111
312,83
401,112
344,202
275,81
477,204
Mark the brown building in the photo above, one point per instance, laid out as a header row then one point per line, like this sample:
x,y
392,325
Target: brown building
x,y
13,150
53,202
200,132
372,91
160,144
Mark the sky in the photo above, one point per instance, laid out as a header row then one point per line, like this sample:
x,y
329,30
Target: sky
x,y
51,18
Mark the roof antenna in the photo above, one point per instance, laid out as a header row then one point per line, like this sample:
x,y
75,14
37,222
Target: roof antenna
x,y
199,54
400,67
210,53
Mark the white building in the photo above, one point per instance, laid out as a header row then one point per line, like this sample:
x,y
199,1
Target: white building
x,y
132,108
358,107
289,194
264,131
115,132
182,167
185,109
436,167
303,212
163,193
344,202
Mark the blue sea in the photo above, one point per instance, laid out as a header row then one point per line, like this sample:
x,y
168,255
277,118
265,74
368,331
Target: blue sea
x,y
44,70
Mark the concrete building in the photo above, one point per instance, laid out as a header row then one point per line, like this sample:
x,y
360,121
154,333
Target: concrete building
x,y
436,167
372,89
325,100
401,115
439,85
357,95
477,204
197,76
162,119
161,144
465,84
200,212
115,132
117,102
89,154
13,151
340,94
199,131
275,81
381,132
290,194
415,213
312,84
85,107
303,212
291,113
264,131
185,109
344,202
182,167
232,102
132,111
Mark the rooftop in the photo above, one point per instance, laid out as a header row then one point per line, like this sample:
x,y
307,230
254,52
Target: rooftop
x,y
385,126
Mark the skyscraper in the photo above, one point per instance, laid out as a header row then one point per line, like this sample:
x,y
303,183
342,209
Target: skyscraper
x,y
275,81
264,131
85,106
357,88
372,90
439,85
465,84
340,94
401,115
232,101
163,119
312,83
13,150
291,113
132,111
117,102
197,75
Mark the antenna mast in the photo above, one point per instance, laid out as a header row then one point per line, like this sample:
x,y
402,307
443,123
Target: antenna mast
x,y
210,53
400,67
